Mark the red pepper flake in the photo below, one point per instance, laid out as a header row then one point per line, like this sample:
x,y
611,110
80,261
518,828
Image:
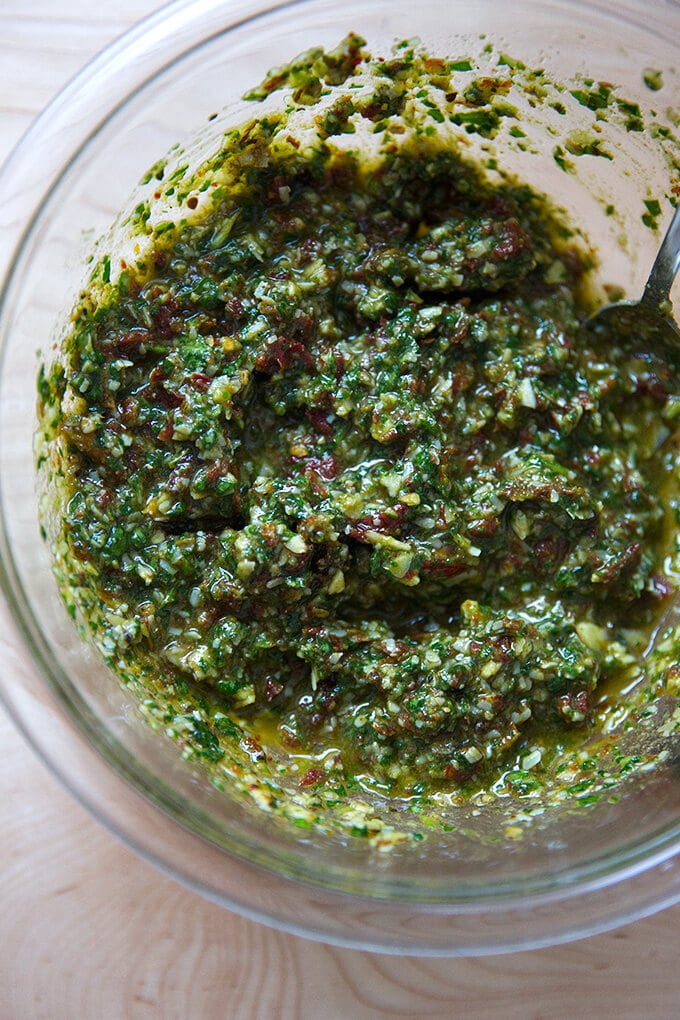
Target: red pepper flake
x,y
318,419
272,688
325,466
234,306
312,777
385,522
512,243
461,378
125,344
219,469
485,528
308,250
573,707
339,365
201,381
500,207
654,386
443,569
303,327
128,410
270,534
456,774
163,322
167,398
549,552
281,355
132,339
253,749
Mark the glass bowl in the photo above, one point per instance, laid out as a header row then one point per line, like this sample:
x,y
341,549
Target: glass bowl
x,y
579,873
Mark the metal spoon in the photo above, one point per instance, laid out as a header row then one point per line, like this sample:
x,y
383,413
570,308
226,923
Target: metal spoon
x,y
650,320
650,317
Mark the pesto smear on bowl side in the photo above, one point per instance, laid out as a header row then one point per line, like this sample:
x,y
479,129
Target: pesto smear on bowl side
x,y
341,477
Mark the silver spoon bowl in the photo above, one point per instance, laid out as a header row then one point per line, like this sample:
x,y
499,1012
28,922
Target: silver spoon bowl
x,y
650,319
649,323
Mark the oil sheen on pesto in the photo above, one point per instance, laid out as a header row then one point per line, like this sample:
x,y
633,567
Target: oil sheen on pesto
x,y
345,472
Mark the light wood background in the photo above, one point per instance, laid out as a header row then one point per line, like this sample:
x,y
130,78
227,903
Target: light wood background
x,y
89,931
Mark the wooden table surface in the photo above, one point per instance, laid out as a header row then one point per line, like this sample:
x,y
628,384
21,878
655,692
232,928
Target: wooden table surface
x,y
87,930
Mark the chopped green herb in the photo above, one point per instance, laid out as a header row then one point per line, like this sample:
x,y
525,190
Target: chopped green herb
x,y
653,79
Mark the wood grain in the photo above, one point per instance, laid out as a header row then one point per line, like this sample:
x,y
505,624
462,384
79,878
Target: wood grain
x,y
87,930
90,931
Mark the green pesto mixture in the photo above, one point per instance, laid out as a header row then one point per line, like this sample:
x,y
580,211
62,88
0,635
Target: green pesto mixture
x,y
343,471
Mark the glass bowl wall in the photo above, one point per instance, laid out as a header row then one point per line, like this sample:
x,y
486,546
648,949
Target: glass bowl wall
x,y
70,176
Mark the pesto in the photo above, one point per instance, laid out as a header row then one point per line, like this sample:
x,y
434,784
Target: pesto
x,y
343,471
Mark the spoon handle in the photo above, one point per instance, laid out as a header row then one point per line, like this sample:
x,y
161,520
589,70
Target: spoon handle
x,y
666,264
